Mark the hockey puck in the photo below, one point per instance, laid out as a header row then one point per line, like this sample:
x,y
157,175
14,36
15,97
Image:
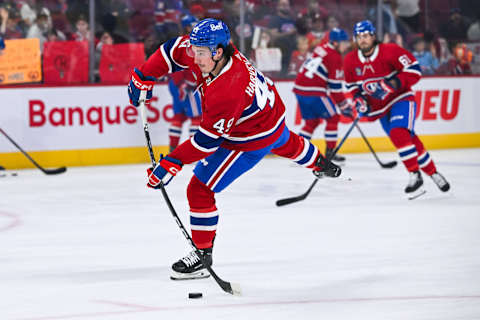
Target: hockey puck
x,y
195,295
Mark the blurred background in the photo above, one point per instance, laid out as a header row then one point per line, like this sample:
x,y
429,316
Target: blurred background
x,y
98,41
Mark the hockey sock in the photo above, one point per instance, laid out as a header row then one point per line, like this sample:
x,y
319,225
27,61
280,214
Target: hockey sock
x,y
203,213
331,131
403,141
195,123
175,130
299,149
425,162
309,127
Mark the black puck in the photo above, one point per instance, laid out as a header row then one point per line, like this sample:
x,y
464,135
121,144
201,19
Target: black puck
x,y
195,295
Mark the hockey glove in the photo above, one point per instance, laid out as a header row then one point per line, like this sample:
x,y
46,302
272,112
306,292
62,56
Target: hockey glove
x,y
381,89
346,108
139,83
325,167
361,105
164,171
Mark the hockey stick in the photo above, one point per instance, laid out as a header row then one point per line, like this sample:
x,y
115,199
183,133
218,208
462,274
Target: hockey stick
x,y
301,197
229,287
387,165
46,171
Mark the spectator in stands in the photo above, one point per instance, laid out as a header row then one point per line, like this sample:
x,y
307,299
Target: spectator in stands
x,y
105,39
40,28
283,32
198,11
428,63
455,29
408,12
9,28
298,56
82,29
317,31
473,33
459,64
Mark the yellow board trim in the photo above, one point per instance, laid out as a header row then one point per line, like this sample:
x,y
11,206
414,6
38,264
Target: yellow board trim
x,y
128,155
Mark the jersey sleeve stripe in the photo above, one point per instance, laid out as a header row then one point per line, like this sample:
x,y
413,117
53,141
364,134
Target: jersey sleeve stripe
x,y
208,133
167,52
177,42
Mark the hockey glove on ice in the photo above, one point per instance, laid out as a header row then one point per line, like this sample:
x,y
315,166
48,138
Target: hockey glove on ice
x,y
139,83
346,108
325,167
164,171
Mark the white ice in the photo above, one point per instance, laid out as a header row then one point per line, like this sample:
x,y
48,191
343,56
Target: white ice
x,y
95,243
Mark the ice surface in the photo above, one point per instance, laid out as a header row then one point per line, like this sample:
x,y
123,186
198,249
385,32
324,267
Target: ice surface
x,y
95,243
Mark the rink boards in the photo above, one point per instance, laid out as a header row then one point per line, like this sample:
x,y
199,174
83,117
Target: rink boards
x,y
94,125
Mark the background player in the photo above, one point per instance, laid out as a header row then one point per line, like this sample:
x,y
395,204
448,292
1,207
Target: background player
x,y
320,77
186,101
380,77
243,120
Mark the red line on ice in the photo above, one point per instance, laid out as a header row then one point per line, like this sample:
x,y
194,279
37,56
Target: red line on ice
x,y
14,223
141,308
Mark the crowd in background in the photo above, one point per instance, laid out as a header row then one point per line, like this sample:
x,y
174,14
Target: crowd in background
x,y
440,33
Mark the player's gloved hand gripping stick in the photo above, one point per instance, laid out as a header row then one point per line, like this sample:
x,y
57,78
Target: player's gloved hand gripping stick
x,y
229,287
301,197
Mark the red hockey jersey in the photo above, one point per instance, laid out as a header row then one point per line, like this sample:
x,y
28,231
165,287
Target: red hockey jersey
x,y
321,73
387,61
241,109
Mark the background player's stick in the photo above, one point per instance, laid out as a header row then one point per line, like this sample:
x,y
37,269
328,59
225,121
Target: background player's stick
x,y
388,165
301,197
46,171
229,287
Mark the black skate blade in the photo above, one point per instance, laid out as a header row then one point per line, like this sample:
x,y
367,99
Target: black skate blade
x,y
417,194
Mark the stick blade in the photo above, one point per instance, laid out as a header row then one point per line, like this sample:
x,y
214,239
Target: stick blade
x,y
283,202
55,171
389,165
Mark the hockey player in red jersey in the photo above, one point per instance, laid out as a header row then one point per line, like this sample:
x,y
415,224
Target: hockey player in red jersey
x,y
243,119
319,78
380,76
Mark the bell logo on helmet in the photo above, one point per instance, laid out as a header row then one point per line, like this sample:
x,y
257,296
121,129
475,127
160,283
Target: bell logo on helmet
x,y
216,27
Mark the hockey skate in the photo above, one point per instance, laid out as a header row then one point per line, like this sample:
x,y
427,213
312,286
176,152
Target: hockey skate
x,y
414,188
191,267
440,181
336,158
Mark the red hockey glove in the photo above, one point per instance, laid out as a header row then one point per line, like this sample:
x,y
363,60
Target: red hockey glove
x,y
164,171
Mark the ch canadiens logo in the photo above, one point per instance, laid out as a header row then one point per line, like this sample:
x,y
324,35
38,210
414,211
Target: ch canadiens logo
x,y
370,86
140,85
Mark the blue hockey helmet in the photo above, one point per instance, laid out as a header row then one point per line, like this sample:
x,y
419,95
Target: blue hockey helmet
x,y
210,33
189,21
337,34
364,26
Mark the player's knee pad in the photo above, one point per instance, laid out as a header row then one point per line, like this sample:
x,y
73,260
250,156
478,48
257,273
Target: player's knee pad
x,y
200,196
